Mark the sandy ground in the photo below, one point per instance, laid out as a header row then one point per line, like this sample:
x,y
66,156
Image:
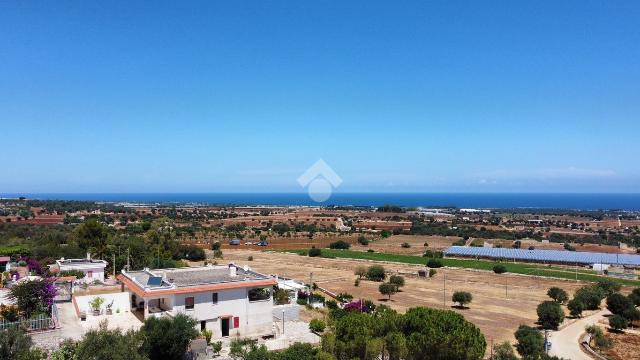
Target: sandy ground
x,y
500,302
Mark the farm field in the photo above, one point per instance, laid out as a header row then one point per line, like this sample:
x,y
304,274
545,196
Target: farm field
x,y
500,302
393,244
559,272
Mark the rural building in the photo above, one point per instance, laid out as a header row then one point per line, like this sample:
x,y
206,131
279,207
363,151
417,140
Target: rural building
x,y
93,269
227,300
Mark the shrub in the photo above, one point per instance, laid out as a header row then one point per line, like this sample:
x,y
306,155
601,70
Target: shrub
x,y
558,295
340,244
360,271
344,297
530,342
370,250
432,254
77,273
376,273
504,351
357,282
550,315
216,347
363,240
618,323
499,269
569,247
432,272
33,296
405,245
207,335
215,245
314,252
387,289
608,286
575,307
590,297
462,298
635,296
426,244
598,338
301,301
317,325
331,304
434,263
396,280
619,304
250,258
460,242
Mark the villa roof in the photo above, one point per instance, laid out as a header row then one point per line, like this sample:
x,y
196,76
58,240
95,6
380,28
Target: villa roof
x,y
190,280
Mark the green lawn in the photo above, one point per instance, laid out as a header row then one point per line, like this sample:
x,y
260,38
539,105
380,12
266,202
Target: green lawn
x,y
518,268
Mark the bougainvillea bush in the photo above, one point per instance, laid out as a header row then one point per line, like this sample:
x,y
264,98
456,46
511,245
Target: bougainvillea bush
x,y
33,296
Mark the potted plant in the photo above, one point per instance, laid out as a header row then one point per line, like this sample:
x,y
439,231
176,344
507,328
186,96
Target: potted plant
x,y
110,308
95,304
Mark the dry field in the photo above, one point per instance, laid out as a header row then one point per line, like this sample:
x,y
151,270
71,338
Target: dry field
x,y
625,346
392,244
500,302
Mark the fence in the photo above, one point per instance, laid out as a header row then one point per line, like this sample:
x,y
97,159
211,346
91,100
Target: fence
x,y
40,322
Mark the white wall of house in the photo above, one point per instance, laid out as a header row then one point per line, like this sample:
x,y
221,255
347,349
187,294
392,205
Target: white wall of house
x,y
254,317
120,302
91,274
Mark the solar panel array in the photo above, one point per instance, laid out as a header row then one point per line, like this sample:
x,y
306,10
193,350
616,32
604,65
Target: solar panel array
x,y
553,256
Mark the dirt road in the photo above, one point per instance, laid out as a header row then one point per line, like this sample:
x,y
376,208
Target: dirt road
x,y
565,343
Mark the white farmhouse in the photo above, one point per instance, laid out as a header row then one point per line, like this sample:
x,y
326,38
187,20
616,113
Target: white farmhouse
x,y
228,300
93,269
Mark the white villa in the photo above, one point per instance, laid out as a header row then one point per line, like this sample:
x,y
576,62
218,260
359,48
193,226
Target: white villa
x,y
228,300
93,269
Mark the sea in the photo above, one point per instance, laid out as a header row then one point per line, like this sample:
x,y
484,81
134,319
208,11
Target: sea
x,y
573,201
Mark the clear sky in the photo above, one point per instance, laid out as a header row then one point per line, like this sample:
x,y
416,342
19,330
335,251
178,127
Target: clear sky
x,y
217,96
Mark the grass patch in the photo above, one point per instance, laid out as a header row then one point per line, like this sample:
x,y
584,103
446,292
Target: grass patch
x,y
516,268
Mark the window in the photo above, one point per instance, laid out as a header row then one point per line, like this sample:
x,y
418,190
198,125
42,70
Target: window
x,y
214,298
259,294
236,322
90,274
188,303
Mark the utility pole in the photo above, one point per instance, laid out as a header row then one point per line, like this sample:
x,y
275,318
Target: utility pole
x,y
128,264
114,266
506,291
444,291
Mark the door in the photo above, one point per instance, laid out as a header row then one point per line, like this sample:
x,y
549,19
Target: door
x,y
225,327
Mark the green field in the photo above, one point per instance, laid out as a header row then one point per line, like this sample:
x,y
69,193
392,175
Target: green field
x,y
517,268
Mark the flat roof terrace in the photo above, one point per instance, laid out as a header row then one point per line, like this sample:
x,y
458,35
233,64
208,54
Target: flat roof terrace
x,y
193,279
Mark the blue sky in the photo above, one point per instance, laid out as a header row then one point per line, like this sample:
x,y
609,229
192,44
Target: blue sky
x,y
395,96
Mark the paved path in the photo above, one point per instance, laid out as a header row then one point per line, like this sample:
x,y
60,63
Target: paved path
x,y
565,343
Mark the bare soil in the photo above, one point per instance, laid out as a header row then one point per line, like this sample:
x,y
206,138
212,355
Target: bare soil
x,y
500,302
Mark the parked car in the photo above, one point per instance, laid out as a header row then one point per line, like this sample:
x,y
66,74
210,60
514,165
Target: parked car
x,y
234,242
262,243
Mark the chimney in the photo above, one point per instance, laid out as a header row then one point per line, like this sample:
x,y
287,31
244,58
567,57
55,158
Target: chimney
x,y
232,270
88,256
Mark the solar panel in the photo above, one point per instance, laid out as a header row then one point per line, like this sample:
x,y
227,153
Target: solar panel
x,y
557,256
154,281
